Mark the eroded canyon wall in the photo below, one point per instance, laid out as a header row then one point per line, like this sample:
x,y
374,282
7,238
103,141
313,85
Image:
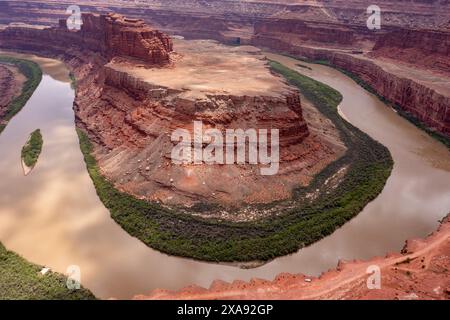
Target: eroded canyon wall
x,y
414,32
429,49
430,106
427,102
430,14
233,20
123,112
116,35
106,35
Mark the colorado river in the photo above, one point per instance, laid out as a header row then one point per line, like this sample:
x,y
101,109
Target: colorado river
x,y
53,217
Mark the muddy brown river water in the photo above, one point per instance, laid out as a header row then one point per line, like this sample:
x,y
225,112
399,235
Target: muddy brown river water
x,y
53,217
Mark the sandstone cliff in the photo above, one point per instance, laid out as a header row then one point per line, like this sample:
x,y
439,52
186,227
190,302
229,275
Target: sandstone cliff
x,y
129,104
115,35
426,48
106,35
203,86
312,32
421,93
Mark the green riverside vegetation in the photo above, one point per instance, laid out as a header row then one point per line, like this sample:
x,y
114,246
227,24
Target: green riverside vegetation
x,y
32,149
33,74
20,279
73,81
407,115
368,164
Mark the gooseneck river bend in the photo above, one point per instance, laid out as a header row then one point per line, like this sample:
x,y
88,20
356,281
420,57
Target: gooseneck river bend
x,y
53,217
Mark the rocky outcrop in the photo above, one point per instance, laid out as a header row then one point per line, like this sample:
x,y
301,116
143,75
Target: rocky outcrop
x,y
417,93
297,31
426,48
125,104
115,35
429,105
218,111
419,272
105,35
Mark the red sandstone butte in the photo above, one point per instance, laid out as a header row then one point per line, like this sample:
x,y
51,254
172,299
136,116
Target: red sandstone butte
x,y
116,35
108,36
414,33
426,48
130,98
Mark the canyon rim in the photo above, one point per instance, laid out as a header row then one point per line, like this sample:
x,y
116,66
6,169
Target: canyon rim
x,y
235,137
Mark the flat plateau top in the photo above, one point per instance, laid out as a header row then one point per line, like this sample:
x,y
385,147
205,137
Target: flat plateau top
x,y
205,67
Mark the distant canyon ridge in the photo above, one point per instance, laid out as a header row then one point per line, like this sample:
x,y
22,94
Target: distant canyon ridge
x,y
407,61
134,86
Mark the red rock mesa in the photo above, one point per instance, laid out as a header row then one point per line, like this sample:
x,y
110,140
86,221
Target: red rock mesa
x,y
134,87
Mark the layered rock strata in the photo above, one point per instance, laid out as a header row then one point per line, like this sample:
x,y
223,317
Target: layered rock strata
x,y
224,88
415,32
423,94
105,35
314,33
114,35
429,49
130,101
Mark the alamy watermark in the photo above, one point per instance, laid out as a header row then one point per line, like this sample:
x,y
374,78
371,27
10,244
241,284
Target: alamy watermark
x,y
374,20
236,146
74,21
374,279
73,273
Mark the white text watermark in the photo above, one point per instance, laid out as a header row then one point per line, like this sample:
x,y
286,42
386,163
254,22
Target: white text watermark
x,y
237,146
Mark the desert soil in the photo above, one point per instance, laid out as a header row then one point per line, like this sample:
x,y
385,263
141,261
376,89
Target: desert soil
x,y
420,271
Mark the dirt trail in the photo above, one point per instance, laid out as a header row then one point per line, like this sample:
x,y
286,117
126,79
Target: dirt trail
x,y
420,272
